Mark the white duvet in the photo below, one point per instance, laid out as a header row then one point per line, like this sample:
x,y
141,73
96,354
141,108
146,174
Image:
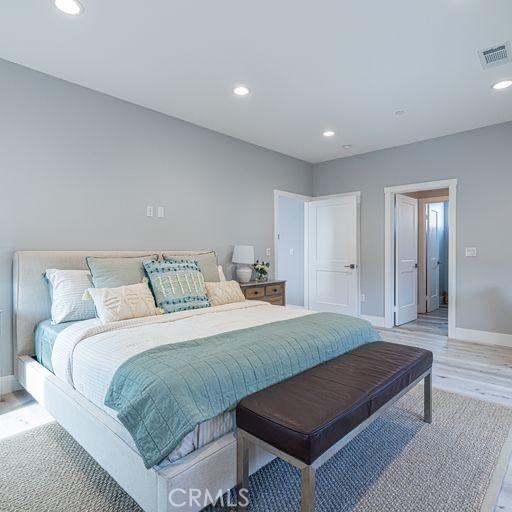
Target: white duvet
x,y
87,354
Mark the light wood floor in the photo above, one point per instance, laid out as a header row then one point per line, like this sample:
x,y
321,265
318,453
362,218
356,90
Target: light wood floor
x,y
481,371
435,322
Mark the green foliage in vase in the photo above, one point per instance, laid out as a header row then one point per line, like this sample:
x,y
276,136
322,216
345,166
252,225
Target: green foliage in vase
x,y
261,269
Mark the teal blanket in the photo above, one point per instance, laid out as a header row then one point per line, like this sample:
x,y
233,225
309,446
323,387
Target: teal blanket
x,y
161,394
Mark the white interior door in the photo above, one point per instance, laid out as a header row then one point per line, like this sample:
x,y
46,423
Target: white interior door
x,y
333,242
435,213
406,259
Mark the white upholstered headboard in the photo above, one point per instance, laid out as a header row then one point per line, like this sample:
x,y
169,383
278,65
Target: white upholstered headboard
x,y
31,303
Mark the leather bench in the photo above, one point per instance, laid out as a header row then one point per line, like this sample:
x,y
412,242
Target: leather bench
x,y
308,418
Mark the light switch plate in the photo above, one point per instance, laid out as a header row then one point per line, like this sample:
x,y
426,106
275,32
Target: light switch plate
x,y
470,252
291,252
160,212
149,211
268,251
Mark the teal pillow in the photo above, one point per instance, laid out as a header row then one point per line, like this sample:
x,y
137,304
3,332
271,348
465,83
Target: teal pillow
x,y
206,261
114,272
177,286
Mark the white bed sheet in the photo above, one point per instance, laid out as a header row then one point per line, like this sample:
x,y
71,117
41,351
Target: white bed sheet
x,y
87,354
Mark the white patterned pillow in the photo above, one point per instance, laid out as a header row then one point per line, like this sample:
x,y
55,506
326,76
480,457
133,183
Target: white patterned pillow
x,y
224,292
66,290
123,302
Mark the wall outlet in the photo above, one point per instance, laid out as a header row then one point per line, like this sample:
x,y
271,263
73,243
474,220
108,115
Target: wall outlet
x,y
160,212
470,252
149,211
291,252
267,252
363,297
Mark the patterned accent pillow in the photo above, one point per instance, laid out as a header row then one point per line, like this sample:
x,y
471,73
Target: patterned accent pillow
x,y
177,286
225,292
123,302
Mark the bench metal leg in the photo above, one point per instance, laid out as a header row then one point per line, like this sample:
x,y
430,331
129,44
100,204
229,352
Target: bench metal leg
x,y
308,478
242,470
427,389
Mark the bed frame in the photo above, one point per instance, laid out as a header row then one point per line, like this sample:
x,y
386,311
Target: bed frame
x,y
199,476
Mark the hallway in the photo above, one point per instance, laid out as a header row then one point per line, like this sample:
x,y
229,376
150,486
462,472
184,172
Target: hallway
x,y
435,322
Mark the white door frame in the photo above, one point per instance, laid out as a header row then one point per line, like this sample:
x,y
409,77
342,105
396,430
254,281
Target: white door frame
x,y
389,247
307,200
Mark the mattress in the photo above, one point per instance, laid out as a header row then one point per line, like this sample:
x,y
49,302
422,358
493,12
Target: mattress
x,y
88,354
45,335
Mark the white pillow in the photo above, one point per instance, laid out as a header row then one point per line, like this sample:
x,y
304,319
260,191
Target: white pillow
x,y
66,290
123,302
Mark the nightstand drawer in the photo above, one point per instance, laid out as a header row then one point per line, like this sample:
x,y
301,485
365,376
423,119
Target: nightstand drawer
x,y
255,292
274,289
277,300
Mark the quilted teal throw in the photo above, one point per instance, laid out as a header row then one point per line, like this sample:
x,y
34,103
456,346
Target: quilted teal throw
x,y
161,394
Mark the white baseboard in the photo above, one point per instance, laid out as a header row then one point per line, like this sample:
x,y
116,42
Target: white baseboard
x,y
489,338
376,321
294,306
8,384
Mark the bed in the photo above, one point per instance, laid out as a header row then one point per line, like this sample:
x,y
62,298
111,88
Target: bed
x,y
76,365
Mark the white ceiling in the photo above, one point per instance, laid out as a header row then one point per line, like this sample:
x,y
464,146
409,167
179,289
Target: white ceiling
x,y
310,65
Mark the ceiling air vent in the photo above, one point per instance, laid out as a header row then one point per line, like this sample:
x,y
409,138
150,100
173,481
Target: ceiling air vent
x,y
495,56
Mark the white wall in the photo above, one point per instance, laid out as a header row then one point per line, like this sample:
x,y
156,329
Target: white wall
x,y
291,237
78,168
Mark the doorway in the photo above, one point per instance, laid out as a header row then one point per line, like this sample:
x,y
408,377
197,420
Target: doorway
x,y
420,259
316,250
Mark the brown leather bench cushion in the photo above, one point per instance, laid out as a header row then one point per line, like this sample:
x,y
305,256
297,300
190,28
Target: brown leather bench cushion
x,y
308,413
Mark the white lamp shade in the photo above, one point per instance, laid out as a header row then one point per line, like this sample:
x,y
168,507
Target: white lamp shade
x,y
243,254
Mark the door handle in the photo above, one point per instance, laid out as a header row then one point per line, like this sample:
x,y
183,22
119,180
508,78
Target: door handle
x,y
415,265
352,266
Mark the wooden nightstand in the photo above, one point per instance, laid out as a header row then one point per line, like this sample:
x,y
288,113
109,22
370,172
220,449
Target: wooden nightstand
x,y
269,291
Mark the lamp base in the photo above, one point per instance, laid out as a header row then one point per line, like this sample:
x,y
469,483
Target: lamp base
x,y
243,273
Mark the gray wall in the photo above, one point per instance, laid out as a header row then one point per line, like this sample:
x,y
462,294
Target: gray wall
x,y
291,236
482,161
78,169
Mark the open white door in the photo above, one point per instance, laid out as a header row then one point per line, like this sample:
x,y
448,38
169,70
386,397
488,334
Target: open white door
x,y
435,222
333,239
406,270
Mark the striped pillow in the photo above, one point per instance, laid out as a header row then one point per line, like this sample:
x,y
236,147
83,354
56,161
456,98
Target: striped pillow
x,y
66,290
177,286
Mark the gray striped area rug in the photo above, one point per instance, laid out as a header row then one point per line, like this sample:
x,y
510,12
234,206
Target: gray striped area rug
x,y
397,464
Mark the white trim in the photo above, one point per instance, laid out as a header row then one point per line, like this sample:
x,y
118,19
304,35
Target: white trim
x,y
306,254
376,321
8,384
419,187
334,196
483,337
389,247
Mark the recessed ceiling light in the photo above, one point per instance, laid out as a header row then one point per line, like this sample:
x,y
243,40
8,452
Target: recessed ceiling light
x,y
504,84
72,7
328,133
241,90
347,146
400,113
